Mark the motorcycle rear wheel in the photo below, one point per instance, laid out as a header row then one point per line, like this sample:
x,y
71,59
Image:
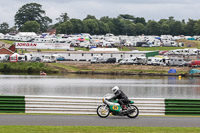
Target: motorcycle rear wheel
x,y
103,111
135,113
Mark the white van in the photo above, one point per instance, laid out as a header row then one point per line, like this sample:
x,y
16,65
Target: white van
x,y
127,61
49,58
97,59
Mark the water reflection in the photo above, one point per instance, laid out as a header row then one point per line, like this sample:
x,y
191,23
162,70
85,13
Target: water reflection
x,y
98,85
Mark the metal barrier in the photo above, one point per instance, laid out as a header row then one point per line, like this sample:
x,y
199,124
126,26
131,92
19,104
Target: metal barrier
x,y
86,105
12,104
182,107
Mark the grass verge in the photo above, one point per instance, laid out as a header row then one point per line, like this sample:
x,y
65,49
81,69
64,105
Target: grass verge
x,y
158,48
96,129
65,67
9,42
25,67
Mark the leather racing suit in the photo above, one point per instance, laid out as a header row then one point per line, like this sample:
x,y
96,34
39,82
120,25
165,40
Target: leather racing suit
x,y
122,98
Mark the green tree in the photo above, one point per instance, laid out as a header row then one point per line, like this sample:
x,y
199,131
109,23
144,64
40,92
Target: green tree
x,y
90,26
105,19
111,27
176,28
65,28
32,12
162,21
197,27
131,29
103,28
120,26
127,17
140,20
63,18
89,17
165,29
189,28
4,28
31,26
153,28
77,25
140,29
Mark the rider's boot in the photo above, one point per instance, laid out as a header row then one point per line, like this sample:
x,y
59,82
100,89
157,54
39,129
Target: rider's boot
x,y
124,107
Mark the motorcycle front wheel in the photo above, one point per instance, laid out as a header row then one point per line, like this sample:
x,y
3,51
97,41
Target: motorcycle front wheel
x,y
135,113
103,111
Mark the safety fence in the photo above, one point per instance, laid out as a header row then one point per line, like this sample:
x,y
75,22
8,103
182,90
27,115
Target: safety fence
x,y
182,107
88,105
12,104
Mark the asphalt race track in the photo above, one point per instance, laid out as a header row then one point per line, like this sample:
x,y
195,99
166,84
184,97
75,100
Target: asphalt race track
x,y
93,120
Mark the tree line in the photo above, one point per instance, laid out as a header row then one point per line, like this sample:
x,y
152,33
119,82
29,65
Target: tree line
x,y
31,18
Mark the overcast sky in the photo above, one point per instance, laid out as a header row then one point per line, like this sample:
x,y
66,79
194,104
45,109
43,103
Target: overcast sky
x,y
149,9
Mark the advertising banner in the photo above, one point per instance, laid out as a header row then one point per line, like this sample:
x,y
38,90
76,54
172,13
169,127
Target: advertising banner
x,y
32,45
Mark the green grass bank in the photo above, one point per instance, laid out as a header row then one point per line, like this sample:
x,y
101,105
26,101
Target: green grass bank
x,y
26,67
95,129
87,68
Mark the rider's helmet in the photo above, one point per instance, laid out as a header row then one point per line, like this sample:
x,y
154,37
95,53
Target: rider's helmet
x,y
115,89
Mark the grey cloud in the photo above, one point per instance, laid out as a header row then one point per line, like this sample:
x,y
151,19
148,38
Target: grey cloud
x,y
149,9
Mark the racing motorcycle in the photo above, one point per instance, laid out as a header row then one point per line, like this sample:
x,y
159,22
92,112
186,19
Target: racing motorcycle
x,y
112,106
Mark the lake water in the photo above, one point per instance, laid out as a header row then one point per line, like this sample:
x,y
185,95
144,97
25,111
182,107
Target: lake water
x,y
99,85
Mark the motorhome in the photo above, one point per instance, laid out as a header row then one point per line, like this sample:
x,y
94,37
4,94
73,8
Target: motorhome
x,y
141,60
175,61
1,36
4,57
150,60
189,51
49,58
158,60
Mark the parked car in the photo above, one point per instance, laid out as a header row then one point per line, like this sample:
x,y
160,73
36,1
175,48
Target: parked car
x,y
110,60
194,63
35,59
60,58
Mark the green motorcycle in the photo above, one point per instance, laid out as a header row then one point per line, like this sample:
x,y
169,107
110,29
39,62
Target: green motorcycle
x,y
112,106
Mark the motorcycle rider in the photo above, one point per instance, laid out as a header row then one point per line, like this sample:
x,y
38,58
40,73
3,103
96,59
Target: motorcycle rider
x,y
122,98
